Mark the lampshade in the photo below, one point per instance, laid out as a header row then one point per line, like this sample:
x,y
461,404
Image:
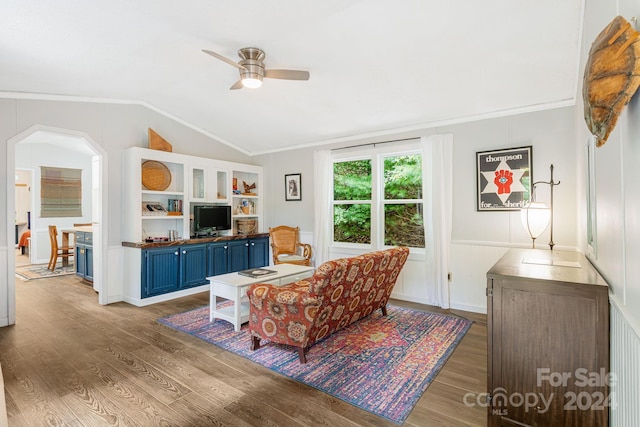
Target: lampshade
x,y
535,218
252,81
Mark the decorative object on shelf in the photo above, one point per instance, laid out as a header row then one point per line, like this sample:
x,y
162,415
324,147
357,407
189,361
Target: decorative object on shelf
x,y
246,226
153,209
536,216
155,175
611,77
156,239
503,179
156,142
248,188
246,207
174,207
293,187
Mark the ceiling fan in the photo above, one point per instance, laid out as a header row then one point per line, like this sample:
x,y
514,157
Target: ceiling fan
x,y
252,69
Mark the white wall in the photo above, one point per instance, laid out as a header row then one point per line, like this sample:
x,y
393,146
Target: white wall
x,y
479,238
114,127
32,156
617,235
617,178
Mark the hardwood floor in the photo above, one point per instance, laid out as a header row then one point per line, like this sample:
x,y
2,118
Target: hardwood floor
x,y
70,362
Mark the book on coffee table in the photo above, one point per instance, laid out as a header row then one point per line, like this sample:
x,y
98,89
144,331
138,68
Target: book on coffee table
x,y
256,272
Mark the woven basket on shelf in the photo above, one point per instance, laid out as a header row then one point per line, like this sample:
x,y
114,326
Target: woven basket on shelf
x,y
246,226
155,175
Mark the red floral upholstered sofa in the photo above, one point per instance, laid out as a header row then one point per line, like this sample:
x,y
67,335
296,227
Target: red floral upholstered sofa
x,y
339,293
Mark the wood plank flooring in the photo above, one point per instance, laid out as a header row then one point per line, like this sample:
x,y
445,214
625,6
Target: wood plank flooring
x,y
70,362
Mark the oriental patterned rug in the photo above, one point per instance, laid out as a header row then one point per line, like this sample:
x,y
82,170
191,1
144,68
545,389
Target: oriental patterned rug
x,y
40,271
380,364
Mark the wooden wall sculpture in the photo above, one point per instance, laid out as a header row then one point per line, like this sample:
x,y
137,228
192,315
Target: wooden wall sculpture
x,y
611,76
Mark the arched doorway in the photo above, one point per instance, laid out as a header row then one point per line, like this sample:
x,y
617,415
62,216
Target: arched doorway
x,y
99,217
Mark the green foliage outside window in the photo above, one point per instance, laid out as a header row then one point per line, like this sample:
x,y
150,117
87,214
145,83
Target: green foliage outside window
x,y
403,177
352,180
403,220
352,223
403,225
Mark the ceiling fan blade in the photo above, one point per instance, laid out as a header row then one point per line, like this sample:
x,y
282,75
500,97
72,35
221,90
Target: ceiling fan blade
x,y
222,58
237,85
287,74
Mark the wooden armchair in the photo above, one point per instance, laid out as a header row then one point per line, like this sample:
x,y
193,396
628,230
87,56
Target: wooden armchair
x,y
286,248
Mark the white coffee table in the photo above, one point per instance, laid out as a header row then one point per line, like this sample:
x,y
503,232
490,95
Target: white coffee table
x,y
233,286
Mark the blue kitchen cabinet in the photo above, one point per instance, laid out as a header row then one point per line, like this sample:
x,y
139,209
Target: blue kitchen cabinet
x,y
238,255
174,268
218,258
258,252
170,269
249,253
84,254
193,266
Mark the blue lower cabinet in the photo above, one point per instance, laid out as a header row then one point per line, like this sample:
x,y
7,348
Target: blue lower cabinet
x,y
80,260
238,255
84,254
218,258
170,269
88,267
258,252
160,271
193,266
250,253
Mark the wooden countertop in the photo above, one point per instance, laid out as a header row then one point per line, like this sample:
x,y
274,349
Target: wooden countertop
x,y
147,245
539,264
84,228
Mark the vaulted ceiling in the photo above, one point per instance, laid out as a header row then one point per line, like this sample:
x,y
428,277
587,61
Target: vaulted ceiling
x,y
377,66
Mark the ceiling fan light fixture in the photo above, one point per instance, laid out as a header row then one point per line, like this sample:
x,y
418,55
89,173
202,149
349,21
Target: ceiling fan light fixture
x,y
252,81
252,69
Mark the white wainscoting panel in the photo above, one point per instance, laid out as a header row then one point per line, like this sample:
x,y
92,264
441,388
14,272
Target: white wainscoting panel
x,y
625,364
4,286
115,274
469,265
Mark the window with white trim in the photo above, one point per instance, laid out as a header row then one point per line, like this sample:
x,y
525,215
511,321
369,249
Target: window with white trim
x,y
377,198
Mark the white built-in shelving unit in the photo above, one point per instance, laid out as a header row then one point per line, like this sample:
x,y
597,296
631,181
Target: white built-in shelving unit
x,y
194,180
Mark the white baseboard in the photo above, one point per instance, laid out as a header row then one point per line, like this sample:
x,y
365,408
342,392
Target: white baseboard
x,y
409,298
142,302
114,298
470,308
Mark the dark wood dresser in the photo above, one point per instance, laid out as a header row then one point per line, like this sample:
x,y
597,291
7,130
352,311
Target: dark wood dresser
x,y
548,340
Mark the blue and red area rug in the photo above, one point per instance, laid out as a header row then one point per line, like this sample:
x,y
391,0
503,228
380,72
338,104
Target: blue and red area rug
x,y
380,364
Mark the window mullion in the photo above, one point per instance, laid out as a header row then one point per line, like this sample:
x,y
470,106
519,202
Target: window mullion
x,y
376,197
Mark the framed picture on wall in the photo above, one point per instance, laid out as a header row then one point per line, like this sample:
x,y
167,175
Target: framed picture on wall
x,y
503,179
293,187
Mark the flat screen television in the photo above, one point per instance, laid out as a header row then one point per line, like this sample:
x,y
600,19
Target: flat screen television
x,y
210,218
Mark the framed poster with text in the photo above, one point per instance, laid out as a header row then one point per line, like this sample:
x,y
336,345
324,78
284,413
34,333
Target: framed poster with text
x,y
504,179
